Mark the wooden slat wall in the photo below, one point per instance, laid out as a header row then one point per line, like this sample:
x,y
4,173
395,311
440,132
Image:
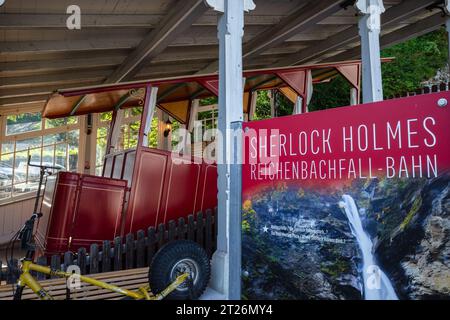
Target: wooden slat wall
x,y
12,217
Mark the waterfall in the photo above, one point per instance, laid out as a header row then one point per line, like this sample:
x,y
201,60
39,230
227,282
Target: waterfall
x,y
377,285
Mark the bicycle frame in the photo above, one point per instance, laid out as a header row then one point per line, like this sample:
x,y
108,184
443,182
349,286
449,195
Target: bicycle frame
x,y
143,293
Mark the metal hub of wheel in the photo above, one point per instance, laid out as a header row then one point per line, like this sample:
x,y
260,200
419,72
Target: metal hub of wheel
x,y
185,266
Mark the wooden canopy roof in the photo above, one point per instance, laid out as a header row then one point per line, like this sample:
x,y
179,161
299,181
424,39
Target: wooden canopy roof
x,y
176,94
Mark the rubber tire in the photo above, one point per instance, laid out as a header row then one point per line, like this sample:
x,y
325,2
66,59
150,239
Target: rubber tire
x,y
18,293
167,257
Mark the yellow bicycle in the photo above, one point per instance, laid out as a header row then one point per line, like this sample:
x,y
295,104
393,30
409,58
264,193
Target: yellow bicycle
x,y
179,270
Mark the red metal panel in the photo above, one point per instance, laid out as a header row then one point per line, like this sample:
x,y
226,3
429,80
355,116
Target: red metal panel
x,y
147,189
60,212
98,211
296,79
164,190
46,207
183,185
209,180
210,84
82,210
352,73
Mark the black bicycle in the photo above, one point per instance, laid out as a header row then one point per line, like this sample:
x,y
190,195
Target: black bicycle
x,y
25,234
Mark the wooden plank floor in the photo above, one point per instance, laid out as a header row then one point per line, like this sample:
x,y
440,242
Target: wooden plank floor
x,y
130,279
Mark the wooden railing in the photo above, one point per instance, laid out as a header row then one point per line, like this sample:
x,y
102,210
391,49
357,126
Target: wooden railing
x,y
434,88
135,250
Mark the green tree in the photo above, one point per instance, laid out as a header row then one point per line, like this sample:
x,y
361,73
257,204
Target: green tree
x,y
330,95
416,61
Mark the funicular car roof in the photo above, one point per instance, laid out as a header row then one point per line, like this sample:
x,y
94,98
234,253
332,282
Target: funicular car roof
x,y
175,93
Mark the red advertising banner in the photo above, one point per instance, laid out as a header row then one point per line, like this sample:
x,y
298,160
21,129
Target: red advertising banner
x,y
349,203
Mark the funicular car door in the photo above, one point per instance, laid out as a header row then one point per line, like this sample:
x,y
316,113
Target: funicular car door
x,y
97,211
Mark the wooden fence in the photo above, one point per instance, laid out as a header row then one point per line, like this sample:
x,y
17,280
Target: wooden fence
x,y
135,250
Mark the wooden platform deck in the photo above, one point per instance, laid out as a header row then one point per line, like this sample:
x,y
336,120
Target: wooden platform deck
x,y
130,279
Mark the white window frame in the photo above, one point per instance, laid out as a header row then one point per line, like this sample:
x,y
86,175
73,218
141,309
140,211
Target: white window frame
x,y
38,134
97,124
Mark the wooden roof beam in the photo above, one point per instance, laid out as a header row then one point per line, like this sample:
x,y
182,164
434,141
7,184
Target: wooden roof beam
x,y
91,20
15,48
57,79
181,17
393,15
25,68
303,18
414,30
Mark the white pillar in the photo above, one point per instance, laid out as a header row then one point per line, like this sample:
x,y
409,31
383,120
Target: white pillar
x,y
253,100
298,105
164,143
353,96
272,103
193,114
116,130
226,261
151,105
89,143
369,31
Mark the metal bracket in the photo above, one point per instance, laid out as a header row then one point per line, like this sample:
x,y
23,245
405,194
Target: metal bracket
x,y
444,6
219,5
77,105
348,3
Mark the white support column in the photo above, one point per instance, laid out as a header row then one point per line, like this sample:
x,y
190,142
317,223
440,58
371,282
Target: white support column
x,y
87,131
253,100
353,96
150,114
298,105
272,103
167,141
164,143
369,31
193,114
309,89
226,261
302,102
116,130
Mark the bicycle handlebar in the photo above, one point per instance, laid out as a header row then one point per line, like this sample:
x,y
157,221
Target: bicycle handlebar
x,y
40,166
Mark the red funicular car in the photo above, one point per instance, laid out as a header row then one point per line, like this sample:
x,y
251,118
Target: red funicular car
x,y
143,187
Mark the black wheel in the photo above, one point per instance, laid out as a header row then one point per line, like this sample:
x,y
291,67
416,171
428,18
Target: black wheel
x,y
174,259
18,293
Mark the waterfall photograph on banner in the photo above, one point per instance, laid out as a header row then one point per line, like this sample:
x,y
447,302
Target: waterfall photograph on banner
x,y
380,234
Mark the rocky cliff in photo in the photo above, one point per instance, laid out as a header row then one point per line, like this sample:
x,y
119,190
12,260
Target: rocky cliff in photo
x,y
299,244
